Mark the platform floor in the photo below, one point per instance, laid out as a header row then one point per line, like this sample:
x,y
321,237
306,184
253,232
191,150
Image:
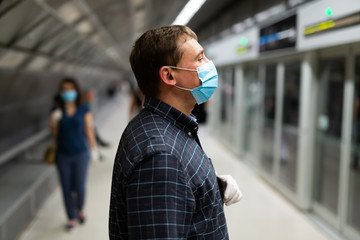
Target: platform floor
x,y
262,213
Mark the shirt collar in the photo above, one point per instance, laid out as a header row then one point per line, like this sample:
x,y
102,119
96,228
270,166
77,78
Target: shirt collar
x,y
171,114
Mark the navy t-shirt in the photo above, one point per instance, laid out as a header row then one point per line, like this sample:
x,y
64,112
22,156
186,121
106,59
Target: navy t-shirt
x,y
71,138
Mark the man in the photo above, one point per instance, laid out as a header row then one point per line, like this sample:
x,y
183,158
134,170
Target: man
x,y
164,186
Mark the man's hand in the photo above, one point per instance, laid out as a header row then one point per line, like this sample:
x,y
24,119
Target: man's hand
x,y
232,192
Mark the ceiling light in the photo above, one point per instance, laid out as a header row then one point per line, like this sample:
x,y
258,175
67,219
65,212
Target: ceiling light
x,y
57,67
188,12
69,13
38,63
12,59
84,27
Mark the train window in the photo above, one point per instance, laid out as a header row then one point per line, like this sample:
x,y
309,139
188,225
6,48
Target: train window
x,y
251,106
291,94
290,121
227,94
270,93
223,117
268,135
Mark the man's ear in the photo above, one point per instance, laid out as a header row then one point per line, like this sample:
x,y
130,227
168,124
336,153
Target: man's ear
x,y
167,75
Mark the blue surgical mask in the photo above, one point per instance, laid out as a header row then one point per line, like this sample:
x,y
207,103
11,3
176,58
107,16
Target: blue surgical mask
x,y
209,81
69,95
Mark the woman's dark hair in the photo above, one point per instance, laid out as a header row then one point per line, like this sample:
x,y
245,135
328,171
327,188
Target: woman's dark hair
x,y
156,48
77,89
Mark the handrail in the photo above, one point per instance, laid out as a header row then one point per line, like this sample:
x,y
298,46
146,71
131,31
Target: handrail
x,y
12,152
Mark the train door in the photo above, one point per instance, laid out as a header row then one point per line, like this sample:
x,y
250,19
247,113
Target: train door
x,y
352,216
227,104
269,109
337,175
251,101
280,132
288,149
328,135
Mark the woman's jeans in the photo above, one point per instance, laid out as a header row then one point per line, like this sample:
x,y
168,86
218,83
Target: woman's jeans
x,y
72,172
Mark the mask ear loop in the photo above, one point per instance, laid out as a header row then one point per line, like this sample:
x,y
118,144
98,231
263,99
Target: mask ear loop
x,y
193,70
186,89
186,69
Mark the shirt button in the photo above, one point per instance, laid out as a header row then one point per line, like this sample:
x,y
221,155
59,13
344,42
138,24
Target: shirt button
x,y
189,133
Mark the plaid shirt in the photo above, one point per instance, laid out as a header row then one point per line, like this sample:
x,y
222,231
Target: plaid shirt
x,y
164,186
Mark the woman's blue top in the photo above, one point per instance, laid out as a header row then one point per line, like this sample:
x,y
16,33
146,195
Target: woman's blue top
x,y
71,137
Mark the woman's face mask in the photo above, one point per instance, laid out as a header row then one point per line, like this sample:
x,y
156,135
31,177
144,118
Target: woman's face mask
x,y
209,81
69,95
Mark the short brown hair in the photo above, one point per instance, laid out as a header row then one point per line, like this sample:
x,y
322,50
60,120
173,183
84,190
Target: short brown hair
x,y
156,48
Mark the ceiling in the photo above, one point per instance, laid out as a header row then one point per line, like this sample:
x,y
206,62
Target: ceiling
x,y
86,32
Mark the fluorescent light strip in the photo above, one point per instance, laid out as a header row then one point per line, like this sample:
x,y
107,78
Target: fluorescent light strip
x,y
188,12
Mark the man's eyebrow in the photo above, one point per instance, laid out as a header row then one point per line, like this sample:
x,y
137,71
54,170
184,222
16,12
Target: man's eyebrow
x,y
199,54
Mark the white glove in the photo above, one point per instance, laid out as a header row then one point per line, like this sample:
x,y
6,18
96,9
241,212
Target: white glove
x,y
94,155
55,116
232,192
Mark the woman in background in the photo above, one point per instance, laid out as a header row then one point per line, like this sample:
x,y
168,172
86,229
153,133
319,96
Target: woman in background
x,y
71,124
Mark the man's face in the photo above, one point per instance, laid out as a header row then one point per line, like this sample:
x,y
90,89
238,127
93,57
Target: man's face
x,y
193,57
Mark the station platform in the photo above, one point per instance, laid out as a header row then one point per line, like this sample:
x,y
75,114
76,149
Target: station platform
x,y
262,213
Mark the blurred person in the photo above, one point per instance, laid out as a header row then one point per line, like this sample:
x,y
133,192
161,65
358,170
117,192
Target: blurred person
x,y
90,100
164,186
71,125
112,89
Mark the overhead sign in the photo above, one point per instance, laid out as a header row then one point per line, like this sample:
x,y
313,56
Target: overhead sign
x,y
244,46
326,23
235,48
279,35
333,24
